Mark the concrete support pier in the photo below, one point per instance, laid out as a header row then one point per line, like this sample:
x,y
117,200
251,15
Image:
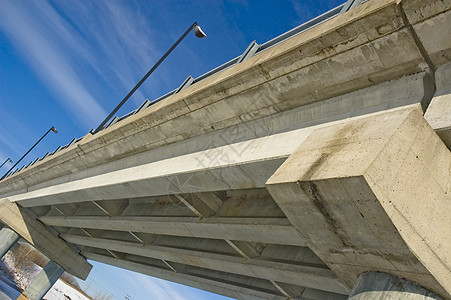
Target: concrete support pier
x,y
380,286
8,238
43,282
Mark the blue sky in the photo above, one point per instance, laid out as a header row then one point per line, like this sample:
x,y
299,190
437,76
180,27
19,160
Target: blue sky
x,y
69,63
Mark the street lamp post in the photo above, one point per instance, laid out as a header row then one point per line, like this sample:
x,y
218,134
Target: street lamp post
x,y
197,31
51,129
8,159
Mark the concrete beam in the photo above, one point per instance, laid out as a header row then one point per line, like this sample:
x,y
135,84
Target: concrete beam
x,y
258,230
37,234
366,46
308,276
226,287
238,159
8,238
438,114
373,194
172,176
211,200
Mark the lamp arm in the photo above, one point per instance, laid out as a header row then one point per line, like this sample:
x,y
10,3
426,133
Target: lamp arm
x,y
143,79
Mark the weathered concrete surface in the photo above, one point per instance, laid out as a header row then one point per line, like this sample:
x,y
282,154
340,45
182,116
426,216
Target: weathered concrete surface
x,y
431,22
438,114
246,162
373,194
259,230
378,285
246,290
369,45
254,140
308,276
36,234
7,239
178,190
43,282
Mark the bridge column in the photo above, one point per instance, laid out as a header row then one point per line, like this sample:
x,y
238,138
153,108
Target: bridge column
x,y
378,285
8,238
43,282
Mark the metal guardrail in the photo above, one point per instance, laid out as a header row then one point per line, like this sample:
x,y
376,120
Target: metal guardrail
x,y
251,50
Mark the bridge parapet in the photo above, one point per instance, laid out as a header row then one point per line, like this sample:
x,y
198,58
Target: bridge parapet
x,y
364,47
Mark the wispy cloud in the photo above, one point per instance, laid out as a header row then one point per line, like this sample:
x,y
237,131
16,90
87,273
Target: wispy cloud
x,y
84,52
119,34
160,289
48,60
8,141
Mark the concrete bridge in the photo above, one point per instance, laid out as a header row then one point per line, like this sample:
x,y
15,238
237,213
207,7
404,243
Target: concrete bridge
x,y
318,168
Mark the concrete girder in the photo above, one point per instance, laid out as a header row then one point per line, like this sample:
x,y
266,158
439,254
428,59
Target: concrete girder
x,y
215,286
240,289
258,230
366,46
249,163
34,232
170,174
308,276
155,179
377,42
282,127
374,194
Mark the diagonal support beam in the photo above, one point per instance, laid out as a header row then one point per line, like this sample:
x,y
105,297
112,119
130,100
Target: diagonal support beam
x,y
101,208
169,265
281,289
199,210
33,231
246,249
202,204
137,237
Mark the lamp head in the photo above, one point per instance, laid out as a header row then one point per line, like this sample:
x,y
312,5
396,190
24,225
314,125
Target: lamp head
x,y
10,160
198,32
54,129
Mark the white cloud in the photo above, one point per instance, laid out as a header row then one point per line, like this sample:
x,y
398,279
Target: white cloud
x,y
48,61
75,46
159,289
8,139
120,35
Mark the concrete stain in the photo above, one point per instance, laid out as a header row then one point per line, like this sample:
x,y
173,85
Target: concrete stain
x,y
312,191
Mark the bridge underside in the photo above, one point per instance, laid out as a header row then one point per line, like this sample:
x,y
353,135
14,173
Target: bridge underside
x,y
285,176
